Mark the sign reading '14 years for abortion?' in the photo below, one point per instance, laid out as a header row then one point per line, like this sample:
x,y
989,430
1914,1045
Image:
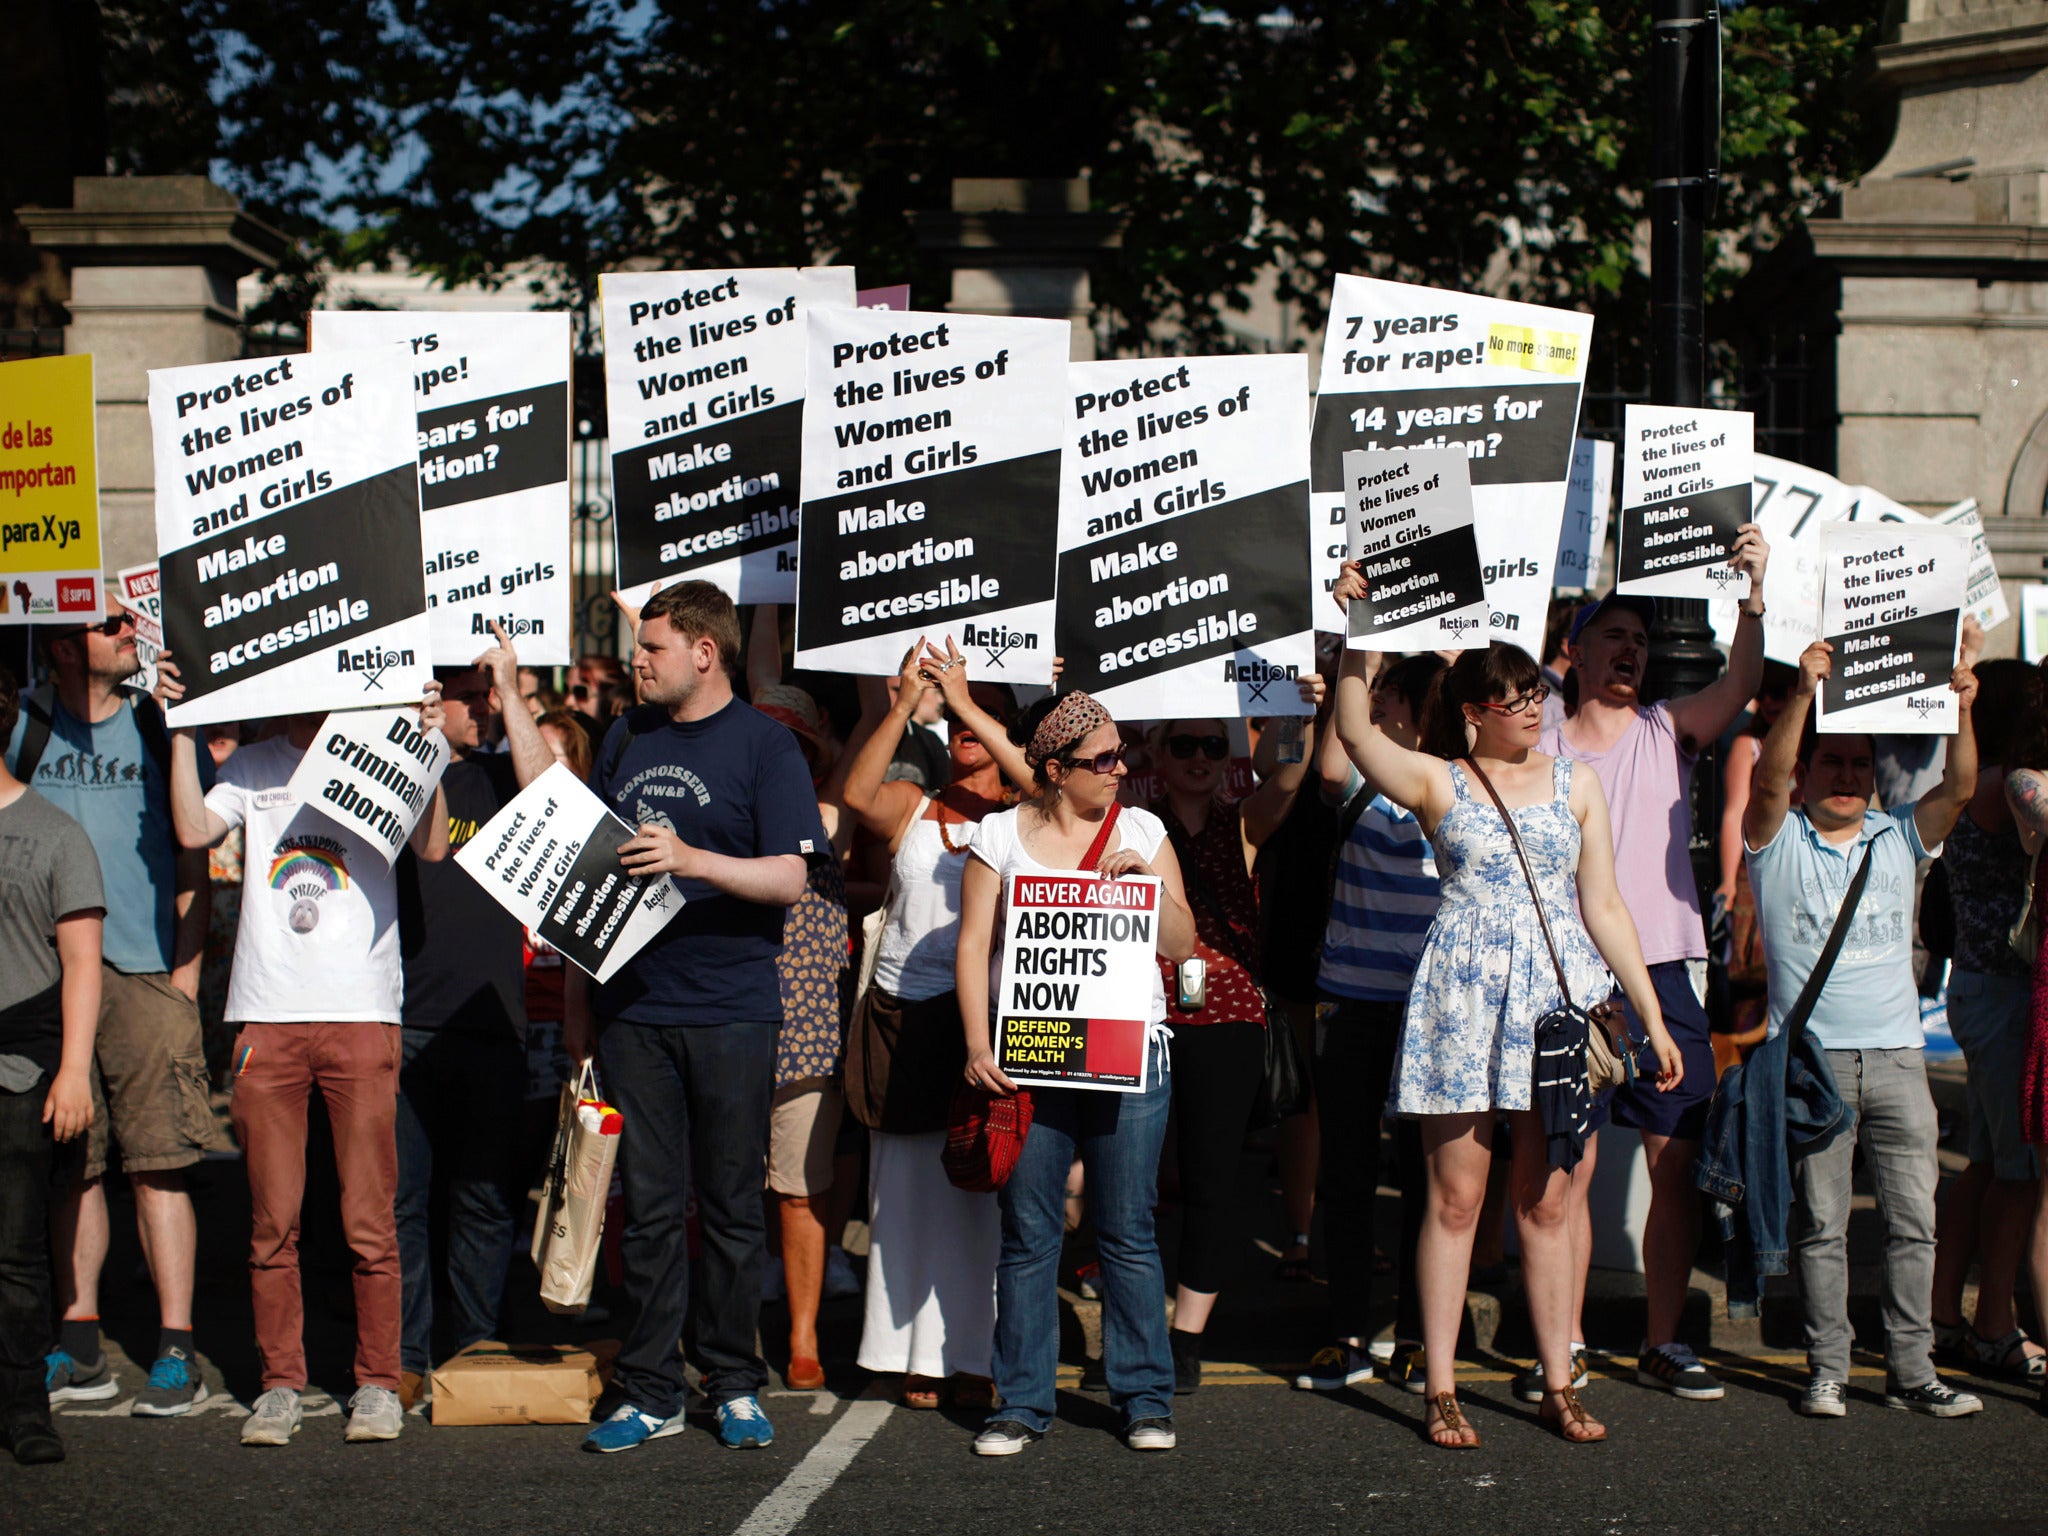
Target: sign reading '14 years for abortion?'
x,y
492,391
931,490
373,771
1411,532
1685,491
1413,367
1078,975
1184,577
1891,605
704,390
288,531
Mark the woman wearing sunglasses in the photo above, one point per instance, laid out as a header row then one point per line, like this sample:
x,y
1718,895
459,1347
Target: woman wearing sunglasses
x,y
1485,977
1218,1021
1076,758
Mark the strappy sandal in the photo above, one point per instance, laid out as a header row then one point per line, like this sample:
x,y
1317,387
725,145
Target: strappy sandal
x,y
2007,1357
1450,1421
920,1392
1573,1424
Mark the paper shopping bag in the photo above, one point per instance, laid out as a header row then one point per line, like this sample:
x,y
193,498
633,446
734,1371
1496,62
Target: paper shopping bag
x,y
567,1236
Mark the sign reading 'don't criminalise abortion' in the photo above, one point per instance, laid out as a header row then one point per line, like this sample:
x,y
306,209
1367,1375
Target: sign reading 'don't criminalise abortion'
x,y
49,491
1184,579
288,531
551,859
492,391
1685,491
1413,367
704,390
931,490
1412,534
1078,975
373,771
1891,605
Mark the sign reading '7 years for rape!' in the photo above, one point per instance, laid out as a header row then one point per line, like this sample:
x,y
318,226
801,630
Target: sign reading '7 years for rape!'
x,y
1078,977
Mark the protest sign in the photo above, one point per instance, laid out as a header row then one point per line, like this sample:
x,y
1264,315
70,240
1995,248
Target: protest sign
x,y
1411,529
372,771
551,859
2034,622
1790,505
1685,490
931,460
49,491
288,531
492,393
1891,606
1413,367
1184,577
1078,974
141,591
1986,595
704,389
1589,497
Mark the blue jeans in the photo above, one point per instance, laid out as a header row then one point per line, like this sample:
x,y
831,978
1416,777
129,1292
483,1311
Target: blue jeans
x,y
1118,1137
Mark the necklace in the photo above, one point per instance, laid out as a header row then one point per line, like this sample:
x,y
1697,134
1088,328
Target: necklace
x,y
944,838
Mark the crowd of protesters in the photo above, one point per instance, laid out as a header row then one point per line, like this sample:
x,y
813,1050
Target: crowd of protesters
x,y
1453,888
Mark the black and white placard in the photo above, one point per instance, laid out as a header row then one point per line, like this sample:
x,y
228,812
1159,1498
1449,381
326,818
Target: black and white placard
x,y
931,460
1411,530
704,391
1184,579
1790,504
288,533
551,859
1413,367
1891,605
1588,504
492,392
1077,980
373,771
1685,491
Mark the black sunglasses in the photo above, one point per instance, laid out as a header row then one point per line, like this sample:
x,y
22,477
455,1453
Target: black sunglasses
x,y
1214,748
1102,762
108,626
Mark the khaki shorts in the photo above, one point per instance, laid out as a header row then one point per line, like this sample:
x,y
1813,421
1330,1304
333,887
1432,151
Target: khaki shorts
x,y
803,1129
149,1077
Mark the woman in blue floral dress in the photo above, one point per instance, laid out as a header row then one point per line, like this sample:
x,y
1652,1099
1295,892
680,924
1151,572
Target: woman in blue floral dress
x,y
1467,1051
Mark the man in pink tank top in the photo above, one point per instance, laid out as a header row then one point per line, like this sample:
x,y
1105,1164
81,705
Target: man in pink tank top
x,y
1644,755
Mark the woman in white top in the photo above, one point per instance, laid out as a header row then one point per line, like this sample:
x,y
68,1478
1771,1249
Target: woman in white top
x,y
931,1247
1077,764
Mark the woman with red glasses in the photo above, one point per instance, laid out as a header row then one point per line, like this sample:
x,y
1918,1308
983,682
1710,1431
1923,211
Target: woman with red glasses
x,y
1468,1050
1076,758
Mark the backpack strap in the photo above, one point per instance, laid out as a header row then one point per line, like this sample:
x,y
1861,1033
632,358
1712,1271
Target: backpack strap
x,y
38,704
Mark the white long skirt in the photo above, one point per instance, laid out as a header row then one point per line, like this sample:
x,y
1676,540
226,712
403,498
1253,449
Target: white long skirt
x,y
931,1297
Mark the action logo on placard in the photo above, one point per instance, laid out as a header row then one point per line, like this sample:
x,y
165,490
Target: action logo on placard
x,y
371,663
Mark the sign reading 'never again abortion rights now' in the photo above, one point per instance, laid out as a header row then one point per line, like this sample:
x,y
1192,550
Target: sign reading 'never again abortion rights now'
x,y
1413,367
492,390
1077,981
704,391
1184,580
1891,605
288,526
930,490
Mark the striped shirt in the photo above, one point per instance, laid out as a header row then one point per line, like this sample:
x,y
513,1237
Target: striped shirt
x,y
1381,907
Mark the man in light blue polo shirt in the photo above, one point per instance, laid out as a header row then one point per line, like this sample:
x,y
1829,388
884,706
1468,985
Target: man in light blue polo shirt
x,y
1867,1019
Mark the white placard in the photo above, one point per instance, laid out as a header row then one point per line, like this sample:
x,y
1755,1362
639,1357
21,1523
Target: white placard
x,y
1790,505
1891,606
1412,367
141,589
1411,527
931,460
492,393
373,771
1685,490
1588,501
2034,621
288,534
704,391
1184,577
551,859
1079,968
1986,595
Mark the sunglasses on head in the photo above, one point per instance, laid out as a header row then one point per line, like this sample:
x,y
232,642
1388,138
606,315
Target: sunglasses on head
x,y
1102,762
1521,702
1214,748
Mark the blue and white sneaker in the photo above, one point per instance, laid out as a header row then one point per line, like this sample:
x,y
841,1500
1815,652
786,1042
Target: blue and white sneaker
x,y
173,1388
742,1425
67,1381
628,1429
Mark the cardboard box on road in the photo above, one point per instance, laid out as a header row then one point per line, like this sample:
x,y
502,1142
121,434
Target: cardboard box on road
x,y
492,1383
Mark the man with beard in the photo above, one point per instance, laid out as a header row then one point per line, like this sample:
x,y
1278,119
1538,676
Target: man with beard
x,y
1644,755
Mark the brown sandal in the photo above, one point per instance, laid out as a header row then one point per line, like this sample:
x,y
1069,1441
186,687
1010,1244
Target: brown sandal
x,y
1450,1421
1573,1424
920,1392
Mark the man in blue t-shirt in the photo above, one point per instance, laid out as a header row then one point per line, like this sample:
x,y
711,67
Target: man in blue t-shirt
x,y
1866,1019
685,1032
100,754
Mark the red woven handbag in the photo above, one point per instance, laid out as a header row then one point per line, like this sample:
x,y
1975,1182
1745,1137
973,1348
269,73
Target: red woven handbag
x,y
985,1131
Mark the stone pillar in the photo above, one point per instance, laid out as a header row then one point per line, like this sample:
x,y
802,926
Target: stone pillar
x,y
1942,258
1022,247
153,263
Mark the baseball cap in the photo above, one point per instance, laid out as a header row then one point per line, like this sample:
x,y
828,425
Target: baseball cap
x,y
1642,607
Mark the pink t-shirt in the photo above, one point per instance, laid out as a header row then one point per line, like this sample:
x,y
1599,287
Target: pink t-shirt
x,y
1645,776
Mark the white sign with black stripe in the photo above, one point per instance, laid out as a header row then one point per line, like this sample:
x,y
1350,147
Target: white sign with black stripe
x,y
288,532
1412,533
1685,491
1892,607
492,395
1184,579
931,468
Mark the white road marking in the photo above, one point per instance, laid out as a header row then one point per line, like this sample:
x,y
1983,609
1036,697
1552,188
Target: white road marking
x,y
778,1514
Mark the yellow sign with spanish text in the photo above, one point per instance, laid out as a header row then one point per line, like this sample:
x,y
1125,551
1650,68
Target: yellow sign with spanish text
x,y
49,492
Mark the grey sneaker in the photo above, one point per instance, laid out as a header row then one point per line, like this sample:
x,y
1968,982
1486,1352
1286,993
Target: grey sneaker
x,y
1677,1370
1938,1400
374,1413
1150,1435
273,1418
1005,1437
172,1390
1824,1399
